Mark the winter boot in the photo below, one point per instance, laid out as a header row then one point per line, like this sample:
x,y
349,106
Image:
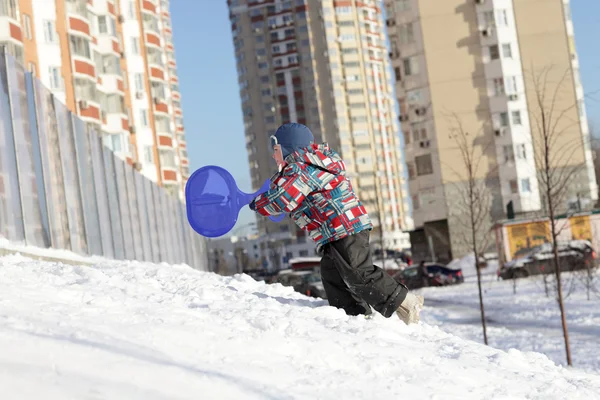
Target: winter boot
x,y
410,308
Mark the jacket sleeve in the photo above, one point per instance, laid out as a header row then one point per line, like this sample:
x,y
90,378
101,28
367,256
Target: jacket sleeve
x,y
288,191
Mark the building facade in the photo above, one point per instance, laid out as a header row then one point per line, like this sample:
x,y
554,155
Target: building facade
x,y
113,63
324,63
499,71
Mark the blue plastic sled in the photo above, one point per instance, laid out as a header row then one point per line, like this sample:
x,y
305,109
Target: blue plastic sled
x,y
214,201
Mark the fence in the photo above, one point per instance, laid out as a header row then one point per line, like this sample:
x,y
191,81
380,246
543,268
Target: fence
x,y
61,188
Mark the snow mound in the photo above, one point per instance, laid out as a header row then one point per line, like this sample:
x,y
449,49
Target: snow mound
x,y
130,330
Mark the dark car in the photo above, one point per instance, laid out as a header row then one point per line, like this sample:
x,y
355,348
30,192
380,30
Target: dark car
x,y
437,275
306,282
573,256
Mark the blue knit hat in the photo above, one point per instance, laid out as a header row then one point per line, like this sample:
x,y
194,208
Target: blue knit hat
x,y
292,137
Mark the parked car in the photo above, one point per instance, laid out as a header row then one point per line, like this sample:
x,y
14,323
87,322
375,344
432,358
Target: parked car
x,y
573,255
306,282
437,275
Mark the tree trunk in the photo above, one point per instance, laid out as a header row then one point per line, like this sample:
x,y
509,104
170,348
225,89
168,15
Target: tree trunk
x,y
561,304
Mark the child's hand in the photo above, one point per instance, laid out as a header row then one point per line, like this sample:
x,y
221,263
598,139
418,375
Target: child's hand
x,y
252,205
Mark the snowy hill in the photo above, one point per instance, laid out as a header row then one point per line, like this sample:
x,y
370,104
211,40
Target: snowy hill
x,y
128,330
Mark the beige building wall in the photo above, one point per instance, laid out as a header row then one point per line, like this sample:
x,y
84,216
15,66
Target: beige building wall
x,y
472,64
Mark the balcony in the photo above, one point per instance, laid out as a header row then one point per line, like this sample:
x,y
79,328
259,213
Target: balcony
x,y
79,26
148,7
114,122
157,72
89,111
84,68
10,29
165,141
167,165
160,106
111,83
153,39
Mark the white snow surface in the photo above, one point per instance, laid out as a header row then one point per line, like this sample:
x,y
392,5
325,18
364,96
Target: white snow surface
x,y
131,330
522,316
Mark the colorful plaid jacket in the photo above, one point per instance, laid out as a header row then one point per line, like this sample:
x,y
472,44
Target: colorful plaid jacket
x,y
314,190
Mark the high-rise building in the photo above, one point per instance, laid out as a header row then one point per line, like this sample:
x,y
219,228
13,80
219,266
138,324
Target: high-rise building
x,y
113,63
475,63
324,63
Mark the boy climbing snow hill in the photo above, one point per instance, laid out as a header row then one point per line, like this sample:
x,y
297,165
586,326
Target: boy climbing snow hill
x,y
313,188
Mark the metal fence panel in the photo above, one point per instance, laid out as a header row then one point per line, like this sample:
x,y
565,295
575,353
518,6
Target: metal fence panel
x,y
152,222
87,187
176,229
135,213
11,212
56,203
143,215
102,199
160,227
122,189
37,163
112,191
167,232
68,156
28,182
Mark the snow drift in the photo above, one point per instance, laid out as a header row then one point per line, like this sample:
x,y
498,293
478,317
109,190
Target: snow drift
x,y
129,330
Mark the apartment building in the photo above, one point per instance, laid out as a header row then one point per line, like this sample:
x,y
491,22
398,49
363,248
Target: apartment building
x,y
475,63
323,63
113,63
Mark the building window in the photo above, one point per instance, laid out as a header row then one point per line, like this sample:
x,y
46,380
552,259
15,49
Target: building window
x,y
139,82
488,18
115,142
516,118
498,86
504,119
398,74
149,154
27,26
55,78
506,50
415,201
80,46
144,117
424,165
514,187
403,5
343,10
521,152
494,53
407,33
509,154
511,85
525,185
260,52
131,9
411,66
264,79
501,18
50,31
270,120
135,45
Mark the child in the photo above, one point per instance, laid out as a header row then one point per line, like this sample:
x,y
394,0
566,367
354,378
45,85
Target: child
x,y
313,188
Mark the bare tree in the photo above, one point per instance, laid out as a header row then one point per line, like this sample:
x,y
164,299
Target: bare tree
x,y
551,120
473,209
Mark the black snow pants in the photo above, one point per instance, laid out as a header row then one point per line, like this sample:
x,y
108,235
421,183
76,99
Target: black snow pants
x,y
353,283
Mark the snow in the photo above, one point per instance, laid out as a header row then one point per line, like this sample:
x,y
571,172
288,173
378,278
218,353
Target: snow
x,y
65,255
132,330
527,320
